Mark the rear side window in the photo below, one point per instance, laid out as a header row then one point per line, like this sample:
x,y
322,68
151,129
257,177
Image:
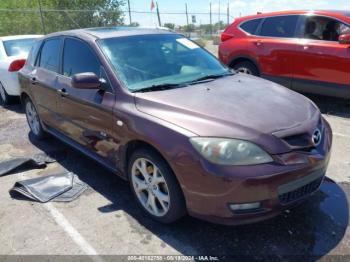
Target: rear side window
x,y
18,46
33,53
1,52
50,55
279,26
250,26
79,58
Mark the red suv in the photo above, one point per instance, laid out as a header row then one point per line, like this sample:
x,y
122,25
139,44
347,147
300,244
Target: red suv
x,y
308,51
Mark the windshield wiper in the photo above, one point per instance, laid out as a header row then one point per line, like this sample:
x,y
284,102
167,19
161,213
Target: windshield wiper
x,y
160,87
210,77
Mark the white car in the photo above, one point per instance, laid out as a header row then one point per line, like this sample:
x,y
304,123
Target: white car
x,y
13,53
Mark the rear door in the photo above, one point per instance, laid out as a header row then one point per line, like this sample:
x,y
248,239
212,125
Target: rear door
x,y
86,115
322,63
43,80
275,47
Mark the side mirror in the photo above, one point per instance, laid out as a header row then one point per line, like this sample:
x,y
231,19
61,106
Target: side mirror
x,y
344,39
86,81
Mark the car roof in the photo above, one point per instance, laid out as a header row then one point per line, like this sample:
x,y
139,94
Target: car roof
x,y
16,37
109,32
336,13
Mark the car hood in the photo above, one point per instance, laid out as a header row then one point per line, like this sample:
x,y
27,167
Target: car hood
x,y
238,106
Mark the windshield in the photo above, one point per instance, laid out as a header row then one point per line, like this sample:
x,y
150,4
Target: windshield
x,y
144,61
18,46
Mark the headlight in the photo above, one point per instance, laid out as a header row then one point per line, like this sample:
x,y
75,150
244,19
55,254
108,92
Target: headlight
x,y
230,151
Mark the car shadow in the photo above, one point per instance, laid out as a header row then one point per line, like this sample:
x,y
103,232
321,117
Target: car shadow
x,y
311,230
14,106
332,105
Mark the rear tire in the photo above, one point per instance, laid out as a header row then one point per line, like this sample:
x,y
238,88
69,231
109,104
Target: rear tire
x,y
246,67
4,97
155,186
33,120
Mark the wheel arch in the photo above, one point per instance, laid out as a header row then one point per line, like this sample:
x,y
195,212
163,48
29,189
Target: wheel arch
x,y
131,147
23,97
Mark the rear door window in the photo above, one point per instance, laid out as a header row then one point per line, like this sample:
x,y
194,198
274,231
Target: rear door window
x,y
50,55
250,26
279,26
79,58
33,53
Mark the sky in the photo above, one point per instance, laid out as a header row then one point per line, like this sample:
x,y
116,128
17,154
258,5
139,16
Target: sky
x,y
237,8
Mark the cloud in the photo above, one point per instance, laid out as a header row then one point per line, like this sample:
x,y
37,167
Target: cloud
x,y
254,6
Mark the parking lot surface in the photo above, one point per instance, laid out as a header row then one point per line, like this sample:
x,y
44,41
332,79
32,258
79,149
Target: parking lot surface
x,y
105,220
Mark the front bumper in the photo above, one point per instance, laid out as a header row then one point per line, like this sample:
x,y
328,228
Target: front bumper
x,y
210,189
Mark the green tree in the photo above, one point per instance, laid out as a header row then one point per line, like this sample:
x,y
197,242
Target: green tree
x,y
189,28
206,28
20,17
23,16
170,26
134,24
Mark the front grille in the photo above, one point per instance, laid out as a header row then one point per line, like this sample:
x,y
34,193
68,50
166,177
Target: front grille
x,y
301,140
300,192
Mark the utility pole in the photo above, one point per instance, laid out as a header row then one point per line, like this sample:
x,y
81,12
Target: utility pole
x,y
228,13
211,22
42,18
188,28
219,13
186,13
159,22
129,11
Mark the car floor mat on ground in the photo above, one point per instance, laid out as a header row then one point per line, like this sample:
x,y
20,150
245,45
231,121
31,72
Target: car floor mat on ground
x,y
37,161
63,187
77,189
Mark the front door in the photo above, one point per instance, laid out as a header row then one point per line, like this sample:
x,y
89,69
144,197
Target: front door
x,y
86,115
322,62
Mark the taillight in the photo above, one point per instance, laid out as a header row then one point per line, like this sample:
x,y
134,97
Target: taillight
x,y
226,36
16,65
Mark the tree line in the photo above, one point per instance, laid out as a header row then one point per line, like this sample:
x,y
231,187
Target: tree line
x,y
24,16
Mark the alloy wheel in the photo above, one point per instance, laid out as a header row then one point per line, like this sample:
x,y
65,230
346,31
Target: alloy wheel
x,y
244,70
150,187
33,118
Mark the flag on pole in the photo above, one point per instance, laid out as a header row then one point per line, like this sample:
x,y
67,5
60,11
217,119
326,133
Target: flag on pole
x,y
152,5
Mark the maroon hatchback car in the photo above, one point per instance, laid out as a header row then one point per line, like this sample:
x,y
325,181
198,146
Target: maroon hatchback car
x,y
190,135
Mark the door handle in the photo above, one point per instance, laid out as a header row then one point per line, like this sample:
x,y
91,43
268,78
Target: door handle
x,y
62,92
33,81
258,43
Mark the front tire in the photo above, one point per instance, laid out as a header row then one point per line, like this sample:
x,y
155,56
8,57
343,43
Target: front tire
x,y
155,186
246,68
4,97
33,120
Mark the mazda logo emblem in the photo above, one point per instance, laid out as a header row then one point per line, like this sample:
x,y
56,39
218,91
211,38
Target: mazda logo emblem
x,y
316,137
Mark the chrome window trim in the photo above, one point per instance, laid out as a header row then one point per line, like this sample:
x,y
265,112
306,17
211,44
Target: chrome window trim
x,y
245,21
273,16
263,19
296,37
